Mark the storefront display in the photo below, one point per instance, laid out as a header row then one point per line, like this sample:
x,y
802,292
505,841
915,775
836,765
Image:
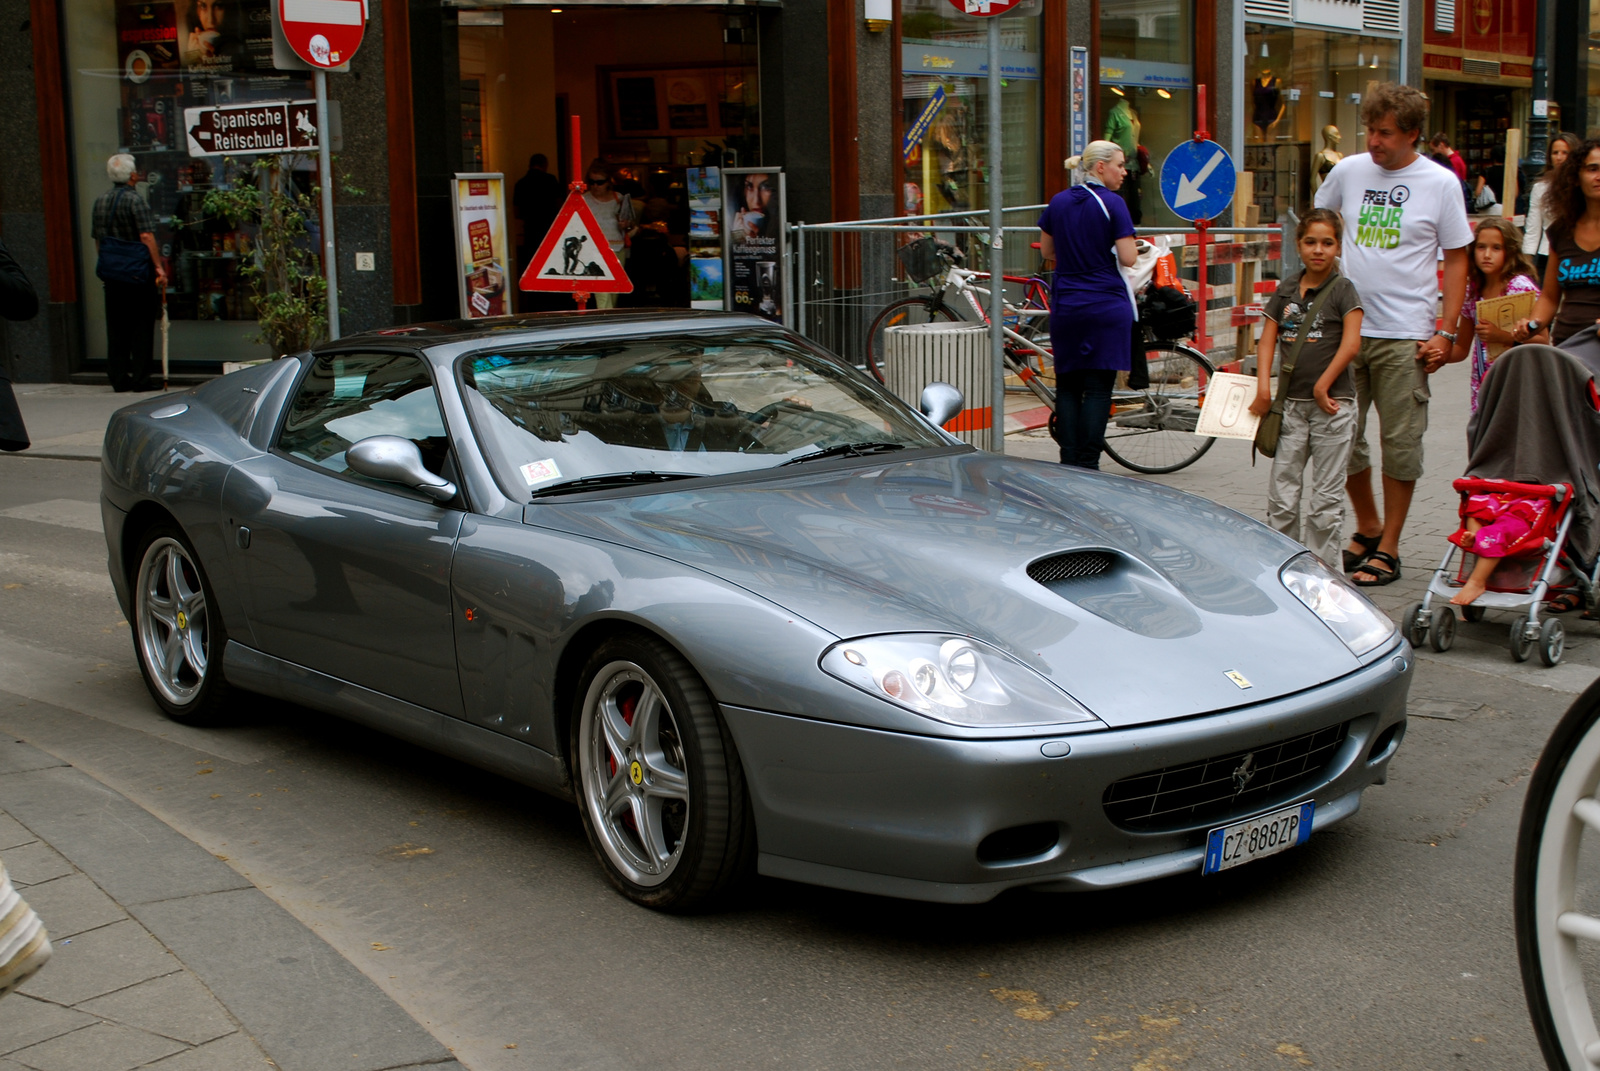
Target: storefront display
x,y
136,67
944,87
754,211
479,201
1147,95
1302,94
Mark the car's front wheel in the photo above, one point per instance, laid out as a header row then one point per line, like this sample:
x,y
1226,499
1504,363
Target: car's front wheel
x,y
177,629
658,778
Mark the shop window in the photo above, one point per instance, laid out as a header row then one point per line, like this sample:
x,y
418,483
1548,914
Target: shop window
x,y
1302,103
134,68
1147,97
944,86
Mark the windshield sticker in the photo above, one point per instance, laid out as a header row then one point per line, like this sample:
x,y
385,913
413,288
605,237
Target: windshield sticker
x,y
486,364
537,472
349,386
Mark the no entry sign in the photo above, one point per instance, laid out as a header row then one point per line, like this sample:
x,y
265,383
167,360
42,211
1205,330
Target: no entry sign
x,y
324,33
987,7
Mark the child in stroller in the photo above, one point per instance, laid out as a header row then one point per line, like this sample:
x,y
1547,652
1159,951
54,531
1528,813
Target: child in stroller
x,y
1529,539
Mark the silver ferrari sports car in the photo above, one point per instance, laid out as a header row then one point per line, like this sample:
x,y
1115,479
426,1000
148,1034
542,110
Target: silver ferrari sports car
x,y
747,609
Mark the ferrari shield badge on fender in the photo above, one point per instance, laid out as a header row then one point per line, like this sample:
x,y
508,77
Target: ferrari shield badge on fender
x,y
1238,678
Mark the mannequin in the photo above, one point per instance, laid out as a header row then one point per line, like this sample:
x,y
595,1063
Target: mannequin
x,y
1122,129
1267,93
1323,162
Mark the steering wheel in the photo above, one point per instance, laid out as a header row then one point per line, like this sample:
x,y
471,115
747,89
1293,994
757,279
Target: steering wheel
x,y
767,412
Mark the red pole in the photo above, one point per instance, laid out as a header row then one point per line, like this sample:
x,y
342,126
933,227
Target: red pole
x,y
579,297
1202,292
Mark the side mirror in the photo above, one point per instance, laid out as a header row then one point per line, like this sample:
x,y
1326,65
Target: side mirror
x,y
940,401
395,460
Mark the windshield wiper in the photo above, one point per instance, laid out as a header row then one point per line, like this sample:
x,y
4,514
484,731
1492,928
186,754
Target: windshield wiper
x,y
846,450
610,479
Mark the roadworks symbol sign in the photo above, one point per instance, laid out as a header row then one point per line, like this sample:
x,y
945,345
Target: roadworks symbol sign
x,y
575,256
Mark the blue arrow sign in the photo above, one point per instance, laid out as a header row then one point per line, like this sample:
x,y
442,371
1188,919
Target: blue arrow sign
x,y
1197,180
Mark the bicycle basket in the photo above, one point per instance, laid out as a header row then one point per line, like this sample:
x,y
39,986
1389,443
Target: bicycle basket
x,y
1167,313
920,259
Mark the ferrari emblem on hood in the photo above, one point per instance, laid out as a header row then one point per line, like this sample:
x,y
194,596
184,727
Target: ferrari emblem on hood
x,y
1238,678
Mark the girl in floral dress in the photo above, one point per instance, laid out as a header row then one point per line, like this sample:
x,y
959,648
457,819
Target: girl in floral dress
x,y
1498,268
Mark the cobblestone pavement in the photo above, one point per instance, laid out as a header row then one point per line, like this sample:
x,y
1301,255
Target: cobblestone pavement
x,y
1225,475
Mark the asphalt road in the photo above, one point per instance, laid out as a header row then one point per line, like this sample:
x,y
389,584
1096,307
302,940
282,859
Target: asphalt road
x,y
474,903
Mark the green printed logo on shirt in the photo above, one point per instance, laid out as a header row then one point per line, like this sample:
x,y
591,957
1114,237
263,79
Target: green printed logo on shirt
x,y
1381,212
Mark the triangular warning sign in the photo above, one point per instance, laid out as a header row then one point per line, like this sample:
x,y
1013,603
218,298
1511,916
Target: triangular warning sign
x,y
575,256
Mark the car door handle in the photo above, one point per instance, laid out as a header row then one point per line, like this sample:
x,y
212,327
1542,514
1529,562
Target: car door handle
x,y
244,538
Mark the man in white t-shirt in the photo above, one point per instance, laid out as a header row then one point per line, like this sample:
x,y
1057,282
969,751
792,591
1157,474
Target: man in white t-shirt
x,y
1400,212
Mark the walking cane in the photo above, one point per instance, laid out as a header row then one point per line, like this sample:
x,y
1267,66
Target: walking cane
x,y
164,327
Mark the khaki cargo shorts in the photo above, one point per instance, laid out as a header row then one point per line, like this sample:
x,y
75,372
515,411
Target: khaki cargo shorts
x,y
1389,377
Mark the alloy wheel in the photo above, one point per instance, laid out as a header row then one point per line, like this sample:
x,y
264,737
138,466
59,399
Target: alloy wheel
x,y
635,780
174,631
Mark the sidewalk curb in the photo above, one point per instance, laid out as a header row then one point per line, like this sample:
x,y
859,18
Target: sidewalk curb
x,y
307,1006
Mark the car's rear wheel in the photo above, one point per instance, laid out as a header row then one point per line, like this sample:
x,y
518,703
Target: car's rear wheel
x,y
177,631
658,778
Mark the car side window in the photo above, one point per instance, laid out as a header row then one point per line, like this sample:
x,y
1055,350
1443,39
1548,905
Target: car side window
x,y
346,397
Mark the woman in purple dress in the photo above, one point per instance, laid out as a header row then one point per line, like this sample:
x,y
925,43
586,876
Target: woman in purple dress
x,y
1086,230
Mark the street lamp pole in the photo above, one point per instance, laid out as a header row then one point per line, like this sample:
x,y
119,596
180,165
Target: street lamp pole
x,y
1539,122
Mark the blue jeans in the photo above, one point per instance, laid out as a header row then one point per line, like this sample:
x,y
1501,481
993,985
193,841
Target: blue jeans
x,y
1083,405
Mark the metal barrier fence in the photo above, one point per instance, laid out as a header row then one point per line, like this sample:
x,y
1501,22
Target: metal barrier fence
x,y
845,274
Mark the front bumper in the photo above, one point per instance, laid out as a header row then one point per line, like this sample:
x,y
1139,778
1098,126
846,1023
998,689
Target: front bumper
x,y
901,815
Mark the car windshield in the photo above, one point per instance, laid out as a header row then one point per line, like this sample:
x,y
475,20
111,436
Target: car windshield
x,y
684,405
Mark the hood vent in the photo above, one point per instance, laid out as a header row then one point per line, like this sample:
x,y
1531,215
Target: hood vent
x,y
1079,565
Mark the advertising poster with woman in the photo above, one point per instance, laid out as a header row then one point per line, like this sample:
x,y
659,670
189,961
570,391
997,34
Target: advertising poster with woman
x,y
481,249
755,220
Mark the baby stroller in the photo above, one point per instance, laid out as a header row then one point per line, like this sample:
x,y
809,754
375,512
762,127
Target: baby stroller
x,y
1535,439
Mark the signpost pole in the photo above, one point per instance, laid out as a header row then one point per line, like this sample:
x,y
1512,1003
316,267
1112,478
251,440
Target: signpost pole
x,y
997,296
1202,291
579,297
330,265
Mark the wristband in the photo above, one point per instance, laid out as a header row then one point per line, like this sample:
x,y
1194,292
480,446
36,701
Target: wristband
x,y
1449,335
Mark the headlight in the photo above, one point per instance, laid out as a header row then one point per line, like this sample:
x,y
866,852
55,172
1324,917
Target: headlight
x,y
952,679
1361,625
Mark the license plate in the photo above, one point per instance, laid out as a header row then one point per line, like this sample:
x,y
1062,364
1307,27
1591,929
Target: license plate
x,y
1256,838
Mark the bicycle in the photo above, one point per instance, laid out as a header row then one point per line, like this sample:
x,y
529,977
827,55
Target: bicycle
x,y
930,262
1154,409
1557,914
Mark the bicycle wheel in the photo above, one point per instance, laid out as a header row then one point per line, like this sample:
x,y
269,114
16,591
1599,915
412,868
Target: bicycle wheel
x,y
910,310
1152,430
1557,900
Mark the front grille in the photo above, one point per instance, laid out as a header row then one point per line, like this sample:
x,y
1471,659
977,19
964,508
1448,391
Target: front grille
x,y
1079,565
1208,792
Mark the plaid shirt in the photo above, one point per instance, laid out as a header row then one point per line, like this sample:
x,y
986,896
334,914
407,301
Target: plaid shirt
x,y
131,219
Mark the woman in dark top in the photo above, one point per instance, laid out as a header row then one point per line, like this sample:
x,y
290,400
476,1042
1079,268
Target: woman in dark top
x,y
1570,300
1087,231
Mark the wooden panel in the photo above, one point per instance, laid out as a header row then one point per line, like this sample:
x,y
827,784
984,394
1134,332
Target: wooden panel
x,y
55,172
843,122
1206,13
1097,118
1056,89
898,101
405,259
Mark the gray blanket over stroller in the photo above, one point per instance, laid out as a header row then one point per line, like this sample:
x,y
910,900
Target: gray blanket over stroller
x,y
1535,424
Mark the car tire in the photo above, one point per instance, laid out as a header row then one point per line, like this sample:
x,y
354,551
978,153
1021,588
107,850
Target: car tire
x,y
658,779
178,634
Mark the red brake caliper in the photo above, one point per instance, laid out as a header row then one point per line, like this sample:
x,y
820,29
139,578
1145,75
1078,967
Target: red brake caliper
x,y
627,705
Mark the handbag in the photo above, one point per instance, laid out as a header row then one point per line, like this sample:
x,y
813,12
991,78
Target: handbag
x,y
1271,427
122,261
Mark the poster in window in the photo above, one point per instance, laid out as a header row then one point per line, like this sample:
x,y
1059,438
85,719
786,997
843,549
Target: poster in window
x,y
687,107
147,39
705,237
481,249
754,215
223,36
636,105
